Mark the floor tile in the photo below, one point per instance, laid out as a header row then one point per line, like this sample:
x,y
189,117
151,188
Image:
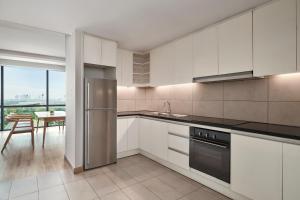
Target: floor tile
x,y
201,194
31,196
57,193
121,178
179,183
4,189
80,190
139,192
138,173
162,190
102,184
48,180
92,172
68,176
118,195
23,186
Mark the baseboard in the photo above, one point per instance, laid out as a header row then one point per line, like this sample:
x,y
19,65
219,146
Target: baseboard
x,y
76,170
128,153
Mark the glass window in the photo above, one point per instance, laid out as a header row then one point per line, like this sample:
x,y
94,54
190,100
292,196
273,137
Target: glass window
x,y
57,93
24,86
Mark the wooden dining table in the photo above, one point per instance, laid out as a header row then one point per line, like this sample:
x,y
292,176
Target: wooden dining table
x,y
47,117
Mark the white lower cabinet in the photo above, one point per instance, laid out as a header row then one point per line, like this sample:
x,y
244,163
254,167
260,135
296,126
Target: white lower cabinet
x,y
153,137
121,135
291,172
178,145
256,167
127,134
132,133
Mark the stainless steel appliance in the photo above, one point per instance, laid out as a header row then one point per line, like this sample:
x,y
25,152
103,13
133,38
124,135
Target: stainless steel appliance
x,y
210,152
100,122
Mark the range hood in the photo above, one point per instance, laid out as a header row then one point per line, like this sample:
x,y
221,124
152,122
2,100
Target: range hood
x,y
224,77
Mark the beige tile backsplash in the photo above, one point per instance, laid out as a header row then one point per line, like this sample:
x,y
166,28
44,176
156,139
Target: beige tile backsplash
x,y
274,99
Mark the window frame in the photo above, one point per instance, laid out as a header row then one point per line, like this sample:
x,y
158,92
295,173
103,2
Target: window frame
x,y
2,106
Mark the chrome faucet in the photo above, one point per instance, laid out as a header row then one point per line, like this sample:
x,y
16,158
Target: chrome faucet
x,y
169,106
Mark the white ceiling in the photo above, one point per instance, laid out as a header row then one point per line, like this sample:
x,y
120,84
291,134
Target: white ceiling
x,y
136,24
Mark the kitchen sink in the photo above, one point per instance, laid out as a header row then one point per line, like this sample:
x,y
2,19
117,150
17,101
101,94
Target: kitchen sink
x,y
169,114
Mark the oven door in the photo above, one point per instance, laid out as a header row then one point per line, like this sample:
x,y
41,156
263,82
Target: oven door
x,y
210,158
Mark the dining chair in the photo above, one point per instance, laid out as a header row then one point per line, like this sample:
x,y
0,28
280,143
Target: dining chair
x,y
20,123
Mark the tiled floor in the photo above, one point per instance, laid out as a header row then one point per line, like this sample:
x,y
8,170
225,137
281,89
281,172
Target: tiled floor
x,y
132,178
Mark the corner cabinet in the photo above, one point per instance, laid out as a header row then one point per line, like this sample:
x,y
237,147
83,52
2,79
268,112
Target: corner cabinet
x,y
256,167
235,44
274,35
153,137
127,134
98,51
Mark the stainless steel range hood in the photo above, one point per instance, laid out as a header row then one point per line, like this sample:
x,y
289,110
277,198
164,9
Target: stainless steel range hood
x,y
224,77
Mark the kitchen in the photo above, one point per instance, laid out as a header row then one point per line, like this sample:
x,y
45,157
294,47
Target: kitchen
x,y
209,114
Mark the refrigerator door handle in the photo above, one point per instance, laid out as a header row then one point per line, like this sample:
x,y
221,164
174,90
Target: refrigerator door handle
x,y
88,137
88,95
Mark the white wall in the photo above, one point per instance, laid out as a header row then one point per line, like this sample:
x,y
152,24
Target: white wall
x,y
74,100
31,40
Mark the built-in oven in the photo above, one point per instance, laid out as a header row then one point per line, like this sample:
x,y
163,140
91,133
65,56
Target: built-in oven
x,y
210,152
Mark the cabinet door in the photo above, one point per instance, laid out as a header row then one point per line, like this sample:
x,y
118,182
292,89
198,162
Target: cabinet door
x,y
161,65
256,167
205,53
159,140
291,172
274,35
92,50
121,135
145,135
132,133
127,68
235,44
119,67
183,56
109,53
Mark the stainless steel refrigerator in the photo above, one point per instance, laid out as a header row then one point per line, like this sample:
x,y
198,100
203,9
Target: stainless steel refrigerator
x,y
100,122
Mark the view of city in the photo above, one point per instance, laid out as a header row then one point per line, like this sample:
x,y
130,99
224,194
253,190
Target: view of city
x,y
25,91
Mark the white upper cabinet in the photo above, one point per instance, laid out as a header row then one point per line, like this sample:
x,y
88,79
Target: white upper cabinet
x,y
119,67
274,35
256,167
109,53
127,68
92,49
183,56
205,52
291,172
235,44
161,65
124,70
99,51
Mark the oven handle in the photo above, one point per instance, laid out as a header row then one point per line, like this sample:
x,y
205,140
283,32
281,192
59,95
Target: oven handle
x,y
213,144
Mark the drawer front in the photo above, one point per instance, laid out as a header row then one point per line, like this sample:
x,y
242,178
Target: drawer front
x,y
179,159
178,143
179,130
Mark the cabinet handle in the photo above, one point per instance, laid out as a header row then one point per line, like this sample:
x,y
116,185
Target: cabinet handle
x,y
178,151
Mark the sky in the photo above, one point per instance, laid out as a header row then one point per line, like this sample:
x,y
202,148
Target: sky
x,y
32,81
